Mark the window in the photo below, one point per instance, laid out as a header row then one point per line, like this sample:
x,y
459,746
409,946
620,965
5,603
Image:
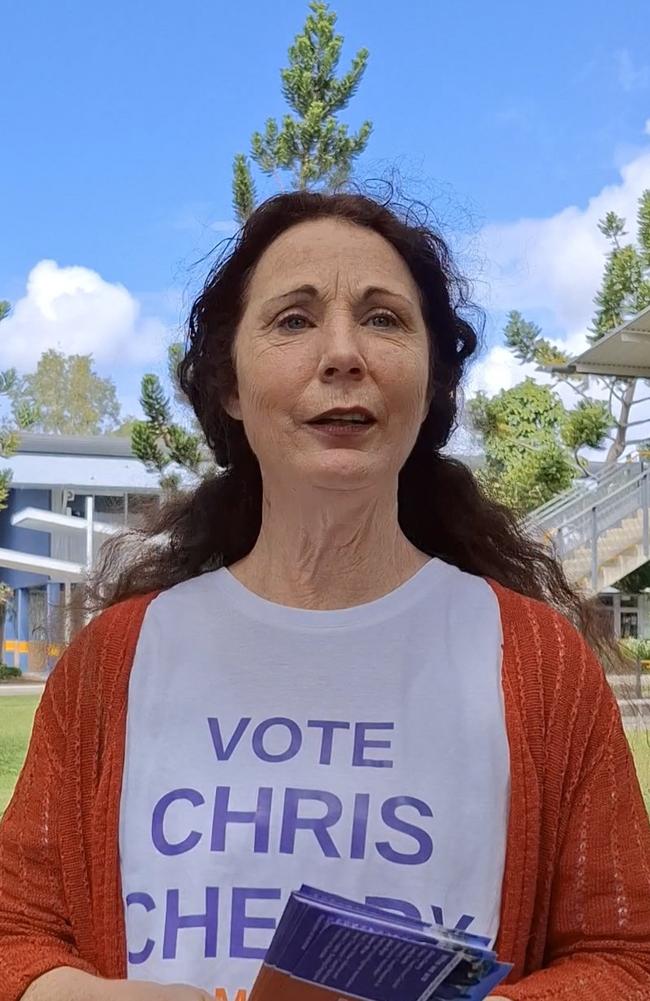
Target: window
x,y
629,625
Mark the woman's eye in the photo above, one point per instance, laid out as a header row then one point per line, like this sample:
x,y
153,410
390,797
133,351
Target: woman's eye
x,y
294,322
383,321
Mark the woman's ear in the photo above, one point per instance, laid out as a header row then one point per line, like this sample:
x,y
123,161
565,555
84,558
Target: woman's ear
x,y
232,405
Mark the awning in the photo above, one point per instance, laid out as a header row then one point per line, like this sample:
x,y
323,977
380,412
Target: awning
x,y
625,352
59,571
40,520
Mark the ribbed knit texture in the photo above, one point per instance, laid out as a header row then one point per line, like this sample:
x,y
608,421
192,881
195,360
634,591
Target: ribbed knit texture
x,y
575,917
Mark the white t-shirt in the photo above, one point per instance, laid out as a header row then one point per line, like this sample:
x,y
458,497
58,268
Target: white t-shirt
x,y
360,750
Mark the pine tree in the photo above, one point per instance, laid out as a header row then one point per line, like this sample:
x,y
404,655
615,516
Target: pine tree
x,y
310,148
625,290
243,189
310,145
160,443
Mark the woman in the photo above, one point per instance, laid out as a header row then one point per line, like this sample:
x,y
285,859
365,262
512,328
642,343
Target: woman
x,y
344,666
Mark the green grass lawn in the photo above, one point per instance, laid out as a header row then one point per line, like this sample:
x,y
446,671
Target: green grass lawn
x,y
641,749
16,715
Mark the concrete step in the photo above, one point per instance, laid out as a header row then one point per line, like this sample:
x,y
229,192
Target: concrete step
x,y
635,709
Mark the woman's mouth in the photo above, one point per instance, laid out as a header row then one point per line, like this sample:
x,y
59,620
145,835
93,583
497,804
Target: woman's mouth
x,y
343,421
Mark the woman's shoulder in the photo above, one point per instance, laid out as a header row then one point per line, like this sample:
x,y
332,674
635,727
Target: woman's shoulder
x,y
535,625
116,624
552,677
103,649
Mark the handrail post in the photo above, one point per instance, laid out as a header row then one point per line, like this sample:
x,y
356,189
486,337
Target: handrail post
x,y
594,549
645,501
90,519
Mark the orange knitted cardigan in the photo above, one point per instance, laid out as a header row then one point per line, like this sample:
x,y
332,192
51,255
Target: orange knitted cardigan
x,y
575,918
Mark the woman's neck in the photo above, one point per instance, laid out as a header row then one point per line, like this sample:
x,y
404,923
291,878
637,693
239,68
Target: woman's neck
x,y
328,550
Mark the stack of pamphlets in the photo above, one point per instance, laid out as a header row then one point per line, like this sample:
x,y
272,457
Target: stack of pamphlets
x,y
327,948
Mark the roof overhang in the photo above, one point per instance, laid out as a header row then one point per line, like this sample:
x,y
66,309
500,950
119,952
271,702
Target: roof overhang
x,y
624,353
59,571
40,520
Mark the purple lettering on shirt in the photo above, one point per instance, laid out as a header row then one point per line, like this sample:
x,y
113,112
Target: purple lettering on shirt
x,y
422,838
362,743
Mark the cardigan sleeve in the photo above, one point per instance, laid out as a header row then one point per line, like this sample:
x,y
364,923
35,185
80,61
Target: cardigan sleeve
x,y
35,925
598,923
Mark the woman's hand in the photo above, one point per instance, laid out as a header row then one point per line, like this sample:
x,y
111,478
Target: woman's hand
x,y
144,990
67,984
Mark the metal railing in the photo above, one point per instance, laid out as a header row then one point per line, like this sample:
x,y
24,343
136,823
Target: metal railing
x,y
576,494
583,497
581,522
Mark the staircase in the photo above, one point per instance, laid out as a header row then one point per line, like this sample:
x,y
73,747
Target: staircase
x,y
600,528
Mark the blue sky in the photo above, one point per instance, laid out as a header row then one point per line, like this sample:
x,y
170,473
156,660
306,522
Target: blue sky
x,y
119,123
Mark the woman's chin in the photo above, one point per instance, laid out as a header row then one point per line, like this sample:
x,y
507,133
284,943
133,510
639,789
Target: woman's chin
x,y
342,468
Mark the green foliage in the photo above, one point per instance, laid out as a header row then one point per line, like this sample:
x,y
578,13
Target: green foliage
x,y
625,287
527,344
618,293
154,403
636,648
522,336
243,188
8,436
586,425
526,460
612,226
27,415
158,441
310,145
624,291
9,673
144,442
65,396
643,226
636,581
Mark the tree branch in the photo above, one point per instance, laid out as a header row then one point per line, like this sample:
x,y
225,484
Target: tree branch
x,y
581,392
634,424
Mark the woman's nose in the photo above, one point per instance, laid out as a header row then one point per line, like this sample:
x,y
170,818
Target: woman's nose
x,y
341,355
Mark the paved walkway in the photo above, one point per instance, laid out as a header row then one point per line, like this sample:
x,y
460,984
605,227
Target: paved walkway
x,y
21,689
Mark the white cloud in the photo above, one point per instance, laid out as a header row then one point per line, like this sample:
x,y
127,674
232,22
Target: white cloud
x,y
551,268
73,309
647,127
555,264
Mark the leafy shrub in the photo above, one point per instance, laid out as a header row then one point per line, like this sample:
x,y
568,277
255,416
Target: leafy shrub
x,y
637,649
6,672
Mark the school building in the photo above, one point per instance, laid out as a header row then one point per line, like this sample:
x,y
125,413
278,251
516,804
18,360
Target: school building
x,y
68,494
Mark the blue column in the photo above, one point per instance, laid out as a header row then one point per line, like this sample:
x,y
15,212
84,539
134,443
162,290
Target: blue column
x,y
22,625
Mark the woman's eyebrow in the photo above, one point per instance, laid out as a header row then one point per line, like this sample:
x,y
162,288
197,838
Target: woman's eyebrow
x,y
378,290
306,291
311,292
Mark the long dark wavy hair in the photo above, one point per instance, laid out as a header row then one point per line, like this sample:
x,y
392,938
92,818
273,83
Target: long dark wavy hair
x,y
442,509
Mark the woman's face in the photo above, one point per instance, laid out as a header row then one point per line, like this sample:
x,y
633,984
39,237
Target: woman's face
x,y
332,320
